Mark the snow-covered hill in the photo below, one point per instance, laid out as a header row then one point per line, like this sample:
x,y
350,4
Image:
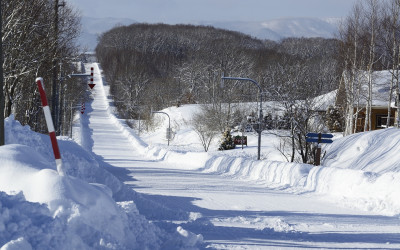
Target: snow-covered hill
x,y
275,29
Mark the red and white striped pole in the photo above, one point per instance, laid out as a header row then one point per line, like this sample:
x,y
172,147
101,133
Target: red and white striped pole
x,y
50,125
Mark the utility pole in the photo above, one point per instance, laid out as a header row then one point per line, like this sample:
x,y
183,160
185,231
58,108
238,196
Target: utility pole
x,y
2,132
55,90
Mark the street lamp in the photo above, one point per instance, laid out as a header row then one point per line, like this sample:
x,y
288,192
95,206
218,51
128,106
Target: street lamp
x,y
169,124
260,112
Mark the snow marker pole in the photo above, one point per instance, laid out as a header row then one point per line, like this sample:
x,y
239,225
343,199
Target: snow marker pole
x,y
50,126
83,108
91,74
91,84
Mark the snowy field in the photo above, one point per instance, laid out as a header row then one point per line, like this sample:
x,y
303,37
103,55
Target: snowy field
x,y
126,192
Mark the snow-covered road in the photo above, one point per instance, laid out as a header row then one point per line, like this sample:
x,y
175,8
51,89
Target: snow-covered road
x,y
229,212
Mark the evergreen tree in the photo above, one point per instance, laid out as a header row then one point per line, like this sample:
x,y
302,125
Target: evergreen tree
x,y
227,141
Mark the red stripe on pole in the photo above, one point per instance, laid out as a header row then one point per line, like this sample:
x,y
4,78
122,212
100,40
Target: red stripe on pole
x,y
41,91
54,143
50,126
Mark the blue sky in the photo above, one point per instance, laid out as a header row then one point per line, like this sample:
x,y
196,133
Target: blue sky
x,y
192,11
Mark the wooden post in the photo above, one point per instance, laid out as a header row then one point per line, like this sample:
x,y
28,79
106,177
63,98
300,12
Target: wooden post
x,y
318,153
318,156
318,138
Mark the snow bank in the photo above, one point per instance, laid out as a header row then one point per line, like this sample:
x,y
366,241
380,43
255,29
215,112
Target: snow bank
x,y
359,189
376,151
282,173
77,162
42,210
188,160
87,214
81,207
27,225
361,171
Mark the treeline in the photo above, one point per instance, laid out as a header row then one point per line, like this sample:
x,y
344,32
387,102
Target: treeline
x,y
34,46
159,65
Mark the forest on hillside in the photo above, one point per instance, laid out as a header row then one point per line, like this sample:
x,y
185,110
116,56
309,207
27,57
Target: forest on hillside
x,y
159,65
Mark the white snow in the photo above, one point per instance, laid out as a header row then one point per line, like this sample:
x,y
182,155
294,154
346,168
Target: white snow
x,y
123,191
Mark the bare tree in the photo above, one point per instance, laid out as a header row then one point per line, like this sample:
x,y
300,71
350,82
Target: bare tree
x,y
205,125
370,42
350,33
359,35
391,43
372,19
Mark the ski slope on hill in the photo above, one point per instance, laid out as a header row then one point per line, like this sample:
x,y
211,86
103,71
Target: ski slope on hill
x,y
231,201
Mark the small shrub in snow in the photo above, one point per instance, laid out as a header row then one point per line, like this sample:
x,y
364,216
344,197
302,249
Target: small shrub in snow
x,y
334,119
227,141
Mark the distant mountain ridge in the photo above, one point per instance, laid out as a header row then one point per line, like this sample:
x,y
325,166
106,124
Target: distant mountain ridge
x,y
278,29
275,29
92,27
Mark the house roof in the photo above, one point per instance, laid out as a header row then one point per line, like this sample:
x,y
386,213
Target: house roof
x,y
323,102
381,82
380,89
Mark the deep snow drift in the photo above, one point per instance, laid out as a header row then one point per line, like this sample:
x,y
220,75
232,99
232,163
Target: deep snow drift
x,y
41,210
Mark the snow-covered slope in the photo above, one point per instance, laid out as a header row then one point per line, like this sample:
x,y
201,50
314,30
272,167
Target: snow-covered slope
x,y
275,29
